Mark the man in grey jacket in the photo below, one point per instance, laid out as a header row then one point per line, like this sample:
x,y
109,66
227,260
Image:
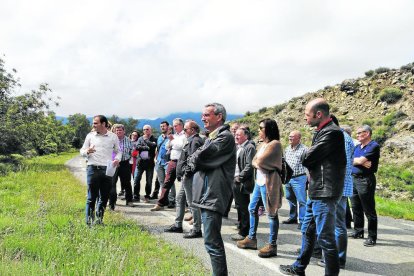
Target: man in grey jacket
x,y
214,165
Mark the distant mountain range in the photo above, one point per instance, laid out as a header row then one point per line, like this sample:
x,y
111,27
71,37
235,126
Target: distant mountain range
x,y
155,123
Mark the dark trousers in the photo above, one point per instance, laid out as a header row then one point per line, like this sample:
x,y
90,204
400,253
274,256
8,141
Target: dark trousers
x,y
242,201
98,184
170,176
363,202
146,166
214,242
123,172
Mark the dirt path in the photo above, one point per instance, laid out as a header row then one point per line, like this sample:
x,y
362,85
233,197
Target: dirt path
x,y
393,255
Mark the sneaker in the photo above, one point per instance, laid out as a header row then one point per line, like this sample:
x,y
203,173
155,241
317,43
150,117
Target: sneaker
x,y
193,235
247,244
173,229
157,208
369,242
290,221
237,237
130,204
188,217
290,270
268,251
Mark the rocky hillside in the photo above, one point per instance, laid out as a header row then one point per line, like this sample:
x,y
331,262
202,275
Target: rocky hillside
x,y
383,99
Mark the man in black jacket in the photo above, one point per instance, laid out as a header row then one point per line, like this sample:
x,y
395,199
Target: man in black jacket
x,y
325,161
146,145
194,141
214,164
243,181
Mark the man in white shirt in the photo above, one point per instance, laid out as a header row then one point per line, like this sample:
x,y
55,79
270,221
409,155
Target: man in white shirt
x,y
98,148
175,145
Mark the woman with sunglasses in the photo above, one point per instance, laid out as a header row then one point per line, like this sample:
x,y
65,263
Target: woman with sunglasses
x,y
268,187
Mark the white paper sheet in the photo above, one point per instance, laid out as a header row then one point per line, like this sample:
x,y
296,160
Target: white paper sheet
x,y
110,170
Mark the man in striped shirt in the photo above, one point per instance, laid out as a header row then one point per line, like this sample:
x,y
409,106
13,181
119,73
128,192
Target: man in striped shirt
x,y
123,172
296,188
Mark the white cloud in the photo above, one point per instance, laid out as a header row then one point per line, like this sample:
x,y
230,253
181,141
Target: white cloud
x,y
151,58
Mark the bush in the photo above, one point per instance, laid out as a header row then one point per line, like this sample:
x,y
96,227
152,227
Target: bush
x,y
369,73
390,95
382,70
392,118
248,113
380,134
278,108
370,122
262,110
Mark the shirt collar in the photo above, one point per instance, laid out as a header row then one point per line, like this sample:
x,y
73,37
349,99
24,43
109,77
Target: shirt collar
x,y
324,124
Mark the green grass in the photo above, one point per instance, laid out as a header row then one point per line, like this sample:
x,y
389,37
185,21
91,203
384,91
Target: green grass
x,y
395,209
42,231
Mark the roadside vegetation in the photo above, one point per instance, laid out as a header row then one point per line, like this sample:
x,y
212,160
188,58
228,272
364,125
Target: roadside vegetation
x,y
42,230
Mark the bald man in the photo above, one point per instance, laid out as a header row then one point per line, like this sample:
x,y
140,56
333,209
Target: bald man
x,y
325,161
295,190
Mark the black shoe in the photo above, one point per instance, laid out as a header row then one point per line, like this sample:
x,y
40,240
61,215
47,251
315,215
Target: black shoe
x,y
153,197
290,221
193,234
121,193
322,264
369,242
290,270
171,205
112,207
356,235
136,199
173,229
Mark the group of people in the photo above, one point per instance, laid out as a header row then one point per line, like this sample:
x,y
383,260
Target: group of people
x,y
224,164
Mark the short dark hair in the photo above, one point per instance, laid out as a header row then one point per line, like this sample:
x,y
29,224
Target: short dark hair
x,y
322,106
102,119
164,122
271,129
334,119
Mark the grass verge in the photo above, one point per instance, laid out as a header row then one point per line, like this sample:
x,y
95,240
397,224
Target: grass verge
x,y
42,231
394,208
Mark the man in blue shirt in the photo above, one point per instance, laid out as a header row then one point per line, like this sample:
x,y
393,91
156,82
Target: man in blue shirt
x,y
366,158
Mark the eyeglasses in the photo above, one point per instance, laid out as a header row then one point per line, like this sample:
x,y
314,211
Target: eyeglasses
x,y
146,129
185,129
358,133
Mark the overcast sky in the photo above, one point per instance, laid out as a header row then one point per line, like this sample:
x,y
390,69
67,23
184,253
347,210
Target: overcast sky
x,y
147,59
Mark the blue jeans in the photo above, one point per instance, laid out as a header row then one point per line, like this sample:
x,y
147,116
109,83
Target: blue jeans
x,y
319,222
260,192
98,185
340,230
295,192
213,241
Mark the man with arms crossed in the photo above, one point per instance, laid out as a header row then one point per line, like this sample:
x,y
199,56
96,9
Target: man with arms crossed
x,y
98,148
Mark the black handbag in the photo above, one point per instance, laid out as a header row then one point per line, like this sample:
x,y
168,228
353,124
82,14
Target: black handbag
x,y
286,172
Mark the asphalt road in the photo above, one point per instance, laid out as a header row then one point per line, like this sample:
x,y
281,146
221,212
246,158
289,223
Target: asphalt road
x,y
393,254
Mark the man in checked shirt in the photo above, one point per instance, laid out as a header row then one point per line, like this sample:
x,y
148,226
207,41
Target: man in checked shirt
x,y
296,188
123,171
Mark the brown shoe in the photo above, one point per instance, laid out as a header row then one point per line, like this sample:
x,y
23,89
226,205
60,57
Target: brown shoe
x,y
247,244
157,208
188,217
268,251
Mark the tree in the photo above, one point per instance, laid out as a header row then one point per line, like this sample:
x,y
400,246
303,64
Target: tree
x,y
80,126
130,123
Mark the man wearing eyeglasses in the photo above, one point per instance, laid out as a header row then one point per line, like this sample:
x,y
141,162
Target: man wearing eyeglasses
x,y
214,166
366,159
146,145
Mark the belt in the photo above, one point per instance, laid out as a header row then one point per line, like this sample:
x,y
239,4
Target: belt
x,y
98,167
302,174
359,175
